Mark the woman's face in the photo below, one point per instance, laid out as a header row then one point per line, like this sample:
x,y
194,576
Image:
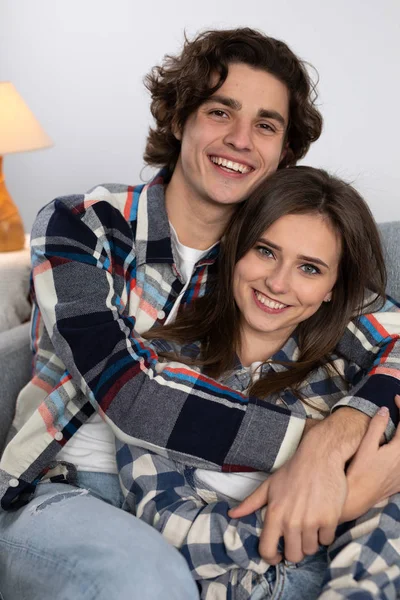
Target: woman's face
x,y
286,276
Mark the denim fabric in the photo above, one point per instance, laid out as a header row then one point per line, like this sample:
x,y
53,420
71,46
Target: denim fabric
x,y
290,581
71,545
102,485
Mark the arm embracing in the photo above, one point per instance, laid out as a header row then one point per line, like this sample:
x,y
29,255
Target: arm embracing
x,y
372,341
84,267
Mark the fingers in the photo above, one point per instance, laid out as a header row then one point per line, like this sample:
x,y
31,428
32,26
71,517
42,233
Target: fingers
x,y
376,430
397,432
310,541
293,545
298,538
327,534
256,500
269,540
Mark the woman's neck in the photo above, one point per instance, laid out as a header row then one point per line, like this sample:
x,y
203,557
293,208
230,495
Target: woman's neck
x,y
259,346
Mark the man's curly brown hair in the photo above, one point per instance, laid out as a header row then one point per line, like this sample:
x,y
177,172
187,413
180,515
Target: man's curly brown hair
x,y
182,83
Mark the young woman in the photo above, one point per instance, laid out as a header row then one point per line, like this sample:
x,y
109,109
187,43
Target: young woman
x,y
300,259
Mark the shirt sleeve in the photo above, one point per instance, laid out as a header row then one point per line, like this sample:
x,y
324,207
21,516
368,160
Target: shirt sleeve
x,y
372,341
83,263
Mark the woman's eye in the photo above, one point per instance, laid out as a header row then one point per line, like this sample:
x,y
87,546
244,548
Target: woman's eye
x,y
265,251
310,269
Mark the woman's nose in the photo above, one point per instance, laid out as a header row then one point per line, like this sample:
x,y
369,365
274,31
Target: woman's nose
x,y
278,281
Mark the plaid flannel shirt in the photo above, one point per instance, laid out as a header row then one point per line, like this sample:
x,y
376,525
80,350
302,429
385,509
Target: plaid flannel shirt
x,y
103,273
222,553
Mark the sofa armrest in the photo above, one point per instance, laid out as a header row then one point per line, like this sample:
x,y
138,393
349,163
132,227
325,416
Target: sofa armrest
x,y
15,372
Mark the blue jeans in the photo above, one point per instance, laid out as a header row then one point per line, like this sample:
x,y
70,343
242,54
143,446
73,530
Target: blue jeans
x,y
289,581
77,544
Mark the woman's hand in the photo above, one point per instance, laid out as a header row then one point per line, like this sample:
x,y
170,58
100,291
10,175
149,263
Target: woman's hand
x,y
374,472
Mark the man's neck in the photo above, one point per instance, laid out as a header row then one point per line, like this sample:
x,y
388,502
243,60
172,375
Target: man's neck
x,y
198,224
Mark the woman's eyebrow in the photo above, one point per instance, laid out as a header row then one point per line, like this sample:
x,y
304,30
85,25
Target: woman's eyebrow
x,y
312,259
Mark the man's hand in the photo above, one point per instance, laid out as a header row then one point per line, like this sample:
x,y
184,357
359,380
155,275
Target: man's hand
x,y
304,502
374,472
305,497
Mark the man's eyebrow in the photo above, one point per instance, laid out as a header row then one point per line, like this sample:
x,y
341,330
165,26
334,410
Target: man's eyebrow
x,y
263,113
312,259
272,114
225,100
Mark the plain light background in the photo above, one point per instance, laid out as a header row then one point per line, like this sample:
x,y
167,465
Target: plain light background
x,y
79,66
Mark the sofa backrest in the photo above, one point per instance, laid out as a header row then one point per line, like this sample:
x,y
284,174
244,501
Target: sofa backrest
x,y
390,234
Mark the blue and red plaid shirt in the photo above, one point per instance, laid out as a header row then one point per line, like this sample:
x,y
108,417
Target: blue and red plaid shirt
x,y
222,552
103,273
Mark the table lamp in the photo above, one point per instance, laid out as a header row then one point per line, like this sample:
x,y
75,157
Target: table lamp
x,y
19,132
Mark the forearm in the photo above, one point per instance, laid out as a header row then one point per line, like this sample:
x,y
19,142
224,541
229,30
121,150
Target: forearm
x,y
339,435
98,342
372,344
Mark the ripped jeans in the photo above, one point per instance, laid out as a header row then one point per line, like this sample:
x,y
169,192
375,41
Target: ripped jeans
x,y
75,543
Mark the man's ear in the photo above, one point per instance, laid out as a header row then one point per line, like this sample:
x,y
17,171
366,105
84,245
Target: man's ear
x,y
284,152
177,131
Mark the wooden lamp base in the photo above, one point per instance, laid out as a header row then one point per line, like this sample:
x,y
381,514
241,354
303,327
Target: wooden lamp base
x,y
12,235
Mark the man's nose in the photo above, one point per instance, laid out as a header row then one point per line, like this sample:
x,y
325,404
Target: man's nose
x,y
239,135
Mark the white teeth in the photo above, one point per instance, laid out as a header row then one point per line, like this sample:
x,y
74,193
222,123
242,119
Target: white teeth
x,y
234,166
270,303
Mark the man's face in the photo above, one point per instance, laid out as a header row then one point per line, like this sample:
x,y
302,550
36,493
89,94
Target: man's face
x,y
234,139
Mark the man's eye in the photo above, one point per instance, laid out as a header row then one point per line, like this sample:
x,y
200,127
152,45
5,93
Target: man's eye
x,y
218,113
310,269
267,127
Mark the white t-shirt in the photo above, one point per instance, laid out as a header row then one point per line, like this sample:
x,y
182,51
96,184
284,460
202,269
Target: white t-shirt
x,y
92,448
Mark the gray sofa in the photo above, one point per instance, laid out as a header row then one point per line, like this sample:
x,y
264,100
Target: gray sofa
x,y
16,358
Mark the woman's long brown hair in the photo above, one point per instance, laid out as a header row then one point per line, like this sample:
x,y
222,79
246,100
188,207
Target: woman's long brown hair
x,y
214,319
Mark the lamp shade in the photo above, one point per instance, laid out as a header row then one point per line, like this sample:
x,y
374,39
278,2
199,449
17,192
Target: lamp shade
x,y
19,129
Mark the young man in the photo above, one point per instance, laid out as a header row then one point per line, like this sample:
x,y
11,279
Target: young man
x,y
108,266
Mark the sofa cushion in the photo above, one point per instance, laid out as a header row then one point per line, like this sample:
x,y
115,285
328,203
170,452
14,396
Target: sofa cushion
x,y
15,268
16,370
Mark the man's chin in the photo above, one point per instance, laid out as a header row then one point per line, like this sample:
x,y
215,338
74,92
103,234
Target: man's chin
x,y
225,199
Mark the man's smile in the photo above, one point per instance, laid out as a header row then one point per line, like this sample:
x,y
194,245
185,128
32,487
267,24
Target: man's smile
x,y
231,166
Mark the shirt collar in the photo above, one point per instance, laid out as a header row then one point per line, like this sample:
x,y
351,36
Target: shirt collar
x,y
288,353
153,234
153,242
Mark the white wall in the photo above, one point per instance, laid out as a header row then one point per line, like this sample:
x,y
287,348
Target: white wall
x,y
79,65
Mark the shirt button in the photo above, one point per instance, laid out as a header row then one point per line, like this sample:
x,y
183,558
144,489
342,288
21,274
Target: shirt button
x,y
58,436
14,483
161,314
